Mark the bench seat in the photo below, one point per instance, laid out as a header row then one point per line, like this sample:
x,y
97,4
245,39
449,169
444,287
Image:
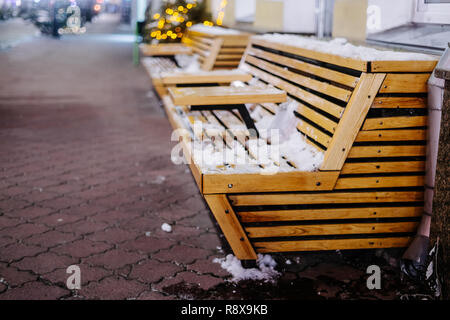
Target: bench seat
x,y
366,119
213,48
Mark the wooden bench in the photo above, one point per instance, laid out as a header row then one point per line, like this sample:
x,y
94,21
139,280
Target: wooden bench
x,y
367,118
214,51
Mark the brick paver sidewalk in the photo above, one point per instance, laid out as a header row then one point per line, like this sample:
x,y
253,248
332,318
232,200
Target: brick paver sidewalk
x,y
86,179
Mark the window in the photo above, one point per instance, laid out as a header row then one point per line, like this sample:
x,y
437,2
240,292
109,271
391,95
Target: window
x,y
432,11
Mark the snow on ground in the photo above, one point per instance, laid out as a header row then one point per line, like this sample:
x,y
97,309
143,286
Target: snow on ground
x,y
265,271
341,47
166,227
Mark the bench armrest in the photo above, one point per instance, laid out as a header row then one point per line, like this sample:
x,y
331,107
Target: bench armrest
x,y
219,76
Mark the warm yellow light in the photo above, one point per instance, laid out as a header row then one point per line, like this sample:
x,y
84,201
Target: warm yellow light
x,y
164,36
156,16
188,24
180,8
173,36
169,11
169,32
189,6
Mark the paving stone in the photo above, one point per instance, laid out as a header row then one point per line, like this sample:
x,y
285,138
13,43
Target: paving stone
x,y
152,271
204,282
181,254
113,288
114,259
147,244
18,251
34,291
44,263
82,248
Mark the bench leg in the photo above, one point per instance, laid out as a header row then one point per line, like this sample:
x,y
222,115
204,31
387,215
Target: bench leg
x,y
230,226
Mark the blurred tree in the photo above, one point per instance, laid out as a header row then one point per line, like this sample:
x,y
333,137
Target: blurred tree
x,y
171,20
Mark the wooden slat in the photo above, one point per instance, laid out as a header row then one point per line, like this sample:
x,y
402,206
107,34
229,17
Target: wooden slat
x,y
379,182
232,50
405,83
386,151
324,198
231,227
330,214
319,86
399,102
227,56
318,102
404,66
281,181
216,76
208,63
316,55
330,229
317,118
383,167
322,72
225,95
395,122
391,135
226,63
341,244
354,115
166,49
314,133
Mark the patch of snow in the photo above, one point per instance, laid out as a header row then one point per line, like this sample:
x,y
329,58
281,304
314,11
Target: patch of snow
x,y
265,271
341,47
159,180
148,233
187,63
166,227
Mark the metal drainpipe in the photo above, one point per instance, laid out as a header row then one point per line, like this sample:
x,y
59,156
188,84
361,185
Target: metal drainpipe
x,y
414,259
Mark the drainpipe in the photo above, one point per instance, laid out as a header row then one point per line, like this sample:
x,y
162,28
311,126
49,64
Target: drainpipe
x,y
414,259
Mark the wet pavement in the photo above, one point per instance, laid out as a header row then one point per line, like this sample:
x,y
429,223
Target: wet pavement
x,y
86,179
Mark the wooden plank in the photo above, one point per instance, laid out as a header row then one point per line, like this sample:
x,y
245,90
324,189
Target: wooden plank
x,y
330,214
379,182
310,83
405,83
341,244
166,49
314,133
325,198
226,95
404,66
315,55
391,135
232,50
386,151
228,56
354,115
399,102
231,228
383,167
325,73
216,76
226,63
395,122
281,181
316,117
318,102
210,59
330,229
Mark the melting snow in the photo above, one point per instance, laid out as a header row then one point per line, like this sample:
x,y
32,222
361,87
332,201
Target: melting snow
x,y
265,271
166,227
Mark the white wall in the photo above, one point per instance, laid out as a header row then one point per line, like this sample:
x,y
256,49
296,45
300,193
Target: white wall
x,y
245,10
299,16
387,14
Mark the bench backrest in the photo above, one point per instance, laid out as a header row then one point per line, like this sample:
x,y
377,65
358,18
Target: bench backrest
x,y
335,94
217,51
